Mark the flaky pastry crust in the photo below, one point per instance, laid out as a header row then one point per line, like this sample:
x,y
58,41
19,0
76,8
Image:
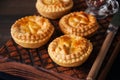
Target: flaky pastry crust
x,y
53,9
70,50
78,23
32,31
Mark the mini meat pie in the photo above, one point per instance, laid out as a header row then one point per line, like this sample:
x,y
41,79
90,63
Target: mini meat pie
x,y
54,9
70,50
32,31
78,23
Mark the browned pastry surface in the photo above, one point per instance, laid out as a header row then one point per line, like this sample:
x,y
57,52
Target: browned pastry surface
x,y
69,50
78,23
32,31
54,9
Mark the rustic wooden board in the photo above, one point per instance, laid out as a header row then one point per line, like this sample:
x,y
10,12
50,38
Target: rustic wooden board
x,y
39,57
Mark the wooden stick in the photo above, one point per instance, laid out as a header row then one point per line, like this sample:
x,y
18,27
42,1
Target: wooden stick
x,y
99,60
110,62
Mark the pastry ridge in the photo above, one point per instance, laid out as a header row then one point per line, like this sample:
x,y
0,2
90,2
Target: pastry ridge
x,y
53,11
70,53
32,31
79,24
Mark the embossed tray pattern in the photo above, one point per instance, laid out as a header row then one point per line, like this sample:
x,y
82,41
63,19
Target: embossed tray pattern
x,y
39,57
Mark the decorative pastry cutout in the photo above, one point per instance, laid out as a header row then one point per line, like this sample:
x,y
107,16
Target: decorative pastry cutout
x,y
78,23
32,31
54,9
70,50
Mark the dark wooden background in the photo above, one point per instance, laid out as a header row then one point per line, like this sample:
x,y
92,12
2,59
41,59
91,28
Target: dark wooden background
x,y
11,10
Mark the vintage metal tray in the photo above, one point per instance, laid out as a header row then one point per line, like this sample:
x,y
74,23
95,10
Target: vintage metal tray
x,y
39,57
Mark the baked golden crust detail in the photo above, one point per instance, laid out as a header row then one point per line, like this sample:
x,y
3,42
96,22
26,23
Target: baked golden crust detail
x,y
32,29
55,5
53,8
69,50
78,23
60,3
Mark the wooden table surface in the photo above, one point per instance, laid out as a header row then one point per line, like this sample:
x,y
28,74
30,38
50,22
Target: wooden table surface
x,y
11,10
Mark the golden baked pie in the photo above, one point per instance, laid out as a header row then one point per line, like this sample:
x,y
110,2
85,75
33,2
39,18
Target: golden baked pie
x,y
70,50
78,23
32,31
53,9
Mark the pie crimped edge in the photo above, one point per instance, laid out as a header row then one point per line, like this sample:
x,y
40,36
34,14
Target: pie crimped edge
x,y
79,24
32,31
70,50
54,11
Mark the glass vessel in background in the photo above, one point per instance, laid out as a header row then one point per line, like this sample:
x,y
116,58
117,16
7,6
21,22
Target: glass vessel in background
x,y
102,8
